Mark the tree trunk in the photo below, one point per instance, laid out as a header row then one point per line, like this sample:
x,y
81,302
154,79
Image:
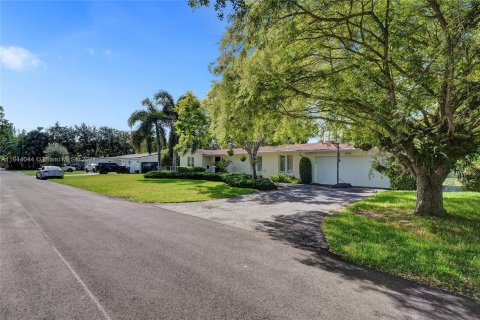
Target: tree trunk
x,y
430,192
159,146
252,154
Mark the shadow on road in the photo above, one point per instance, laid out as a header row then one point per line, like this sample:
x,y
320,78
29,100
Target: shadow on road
x,y
303,231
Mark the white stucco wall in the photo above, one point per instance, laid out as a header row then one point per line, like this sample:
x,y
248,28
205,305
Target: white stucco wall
x,y
355,166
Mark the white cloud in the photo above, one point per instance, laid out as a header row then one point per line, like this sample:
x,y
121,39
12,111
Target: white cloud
x,y
107,53
17,58
91,51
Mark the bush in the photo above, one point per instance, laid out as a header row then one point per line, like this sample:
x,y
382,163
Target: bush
x,y
243,158
281,177
56,154
190,169
471,179
239,180
222,165
305,170
401,180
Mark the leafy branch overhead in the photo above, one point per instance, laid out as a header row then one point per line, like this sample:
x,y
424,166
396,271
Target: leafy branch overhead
x,y
403,76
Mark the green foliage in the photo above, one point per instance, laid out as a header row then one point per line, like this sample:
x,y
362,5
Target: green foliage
x,y
285,178
190,169
233,179
243,158
230,152
135,187
222,165
471,178
402,76
400,179
305,170
56,154
159,115
192,124
440,252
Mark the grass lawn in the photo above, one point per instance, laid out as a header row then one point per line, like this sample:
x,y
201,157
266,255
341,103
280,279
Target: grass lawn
x,y
135,187
444,252
33,172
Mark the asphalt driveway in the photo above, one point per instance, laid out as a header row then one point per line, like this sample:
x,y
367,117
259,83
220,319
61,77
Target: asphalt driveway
x,y
67,253
292,212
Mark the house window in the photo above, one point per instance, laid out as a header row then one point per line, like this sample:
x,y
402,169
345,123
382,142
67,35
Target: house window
x,y
259,164
286,164
190,161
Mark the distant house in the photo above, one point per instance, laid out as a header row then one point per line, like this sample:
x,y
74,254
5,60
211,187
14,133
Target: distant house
x,y
138,163
355,165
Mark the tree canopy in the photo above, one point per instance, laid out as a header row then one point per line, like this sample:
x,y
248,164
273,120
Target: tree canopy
x,y
192,124
403,76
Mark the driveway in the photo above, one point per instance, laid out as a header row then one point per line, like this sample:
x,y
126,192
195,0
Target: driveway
x,y
67,253
292,212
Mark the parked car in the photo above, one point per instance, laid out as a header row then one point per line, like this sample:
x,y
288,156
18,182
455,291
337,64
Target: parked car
x,y
49,172
92,167
107,167
69,168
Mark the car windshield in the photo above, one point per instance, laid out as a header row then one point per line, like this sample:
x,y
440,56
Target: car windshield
x,y
52,168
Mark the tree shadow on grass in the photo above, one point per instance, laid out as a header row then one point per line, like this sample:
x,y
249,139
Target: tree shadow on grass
x,y
303,231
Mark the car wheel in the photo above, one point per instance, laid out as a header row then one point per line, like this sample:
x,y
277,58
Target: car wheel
x,y
69,170
86,170
36,176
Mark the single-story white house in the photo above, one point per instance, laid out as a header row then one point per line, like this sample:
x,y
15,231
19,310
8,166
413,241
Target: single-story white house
x,y
138,163
355,164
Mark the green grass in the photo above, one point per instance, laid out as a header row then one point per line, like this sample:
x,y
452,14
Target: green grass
x,y
136,188
443,252
33,172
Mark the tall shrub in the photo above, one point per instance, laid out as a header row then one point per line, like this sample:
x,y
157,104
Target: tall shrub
x,y
305,170
56,154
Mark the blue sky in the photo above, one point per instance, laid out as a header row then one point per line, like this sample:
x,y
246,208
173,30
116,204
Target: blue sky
x,y
93,62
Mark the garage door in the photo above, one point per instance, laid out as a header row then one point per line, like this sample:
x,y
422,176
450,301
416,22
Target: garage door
x,y
149,166
354,170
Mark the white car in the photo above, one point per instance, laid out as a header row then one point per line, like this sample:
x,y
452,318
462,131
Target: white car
x,y
69,169
49,172
92,167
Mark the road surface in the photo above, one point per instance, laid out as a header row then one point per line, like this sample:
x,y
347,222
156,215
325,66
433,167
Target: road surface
x,y
72,254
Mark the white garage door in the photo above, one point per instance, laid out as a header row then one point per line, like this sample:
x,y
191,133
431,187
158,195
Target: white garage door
x,y
354,170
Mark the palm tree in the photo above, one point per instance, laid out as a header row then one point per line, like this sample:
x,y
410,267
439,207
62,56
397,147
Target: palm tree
x,y
154,119
164,99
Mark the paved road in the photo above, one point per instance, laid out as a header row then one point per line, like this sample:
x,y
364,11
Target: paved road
x,y
71,254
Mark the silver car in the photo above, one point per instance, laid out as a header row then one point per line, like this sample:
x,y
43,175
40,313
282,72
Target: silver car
x,y
92,167
49,172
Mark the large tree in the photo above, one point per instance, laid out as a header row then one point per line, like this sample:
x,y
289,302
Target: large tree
x,y
6,131
157,117
401,75
192,124
63,135
240,115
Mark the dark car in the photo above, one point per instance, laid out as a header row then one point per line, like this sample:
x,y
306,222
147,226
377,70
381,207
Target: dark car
x,y
111,167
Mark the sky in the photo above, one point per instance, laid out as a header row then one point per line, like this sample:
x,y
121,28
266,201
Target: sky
x,y
94,61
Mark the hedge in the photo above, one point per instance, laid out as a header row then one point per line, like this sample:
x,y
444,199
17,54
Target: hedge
x,y
239,180
285,178
190,169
